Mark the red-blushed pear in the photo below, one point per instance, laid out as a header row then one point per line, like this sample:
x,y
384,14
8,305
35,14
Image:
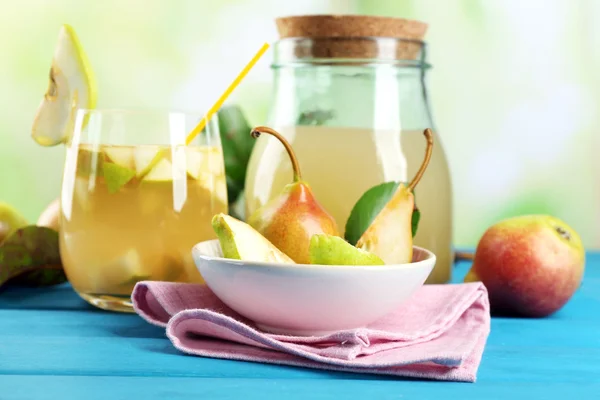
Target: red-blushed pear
x,y
294,216
531,265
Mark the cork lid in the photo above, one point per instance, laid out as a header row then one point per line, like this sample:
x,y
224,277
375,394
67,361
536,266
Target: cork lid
x,y
355,36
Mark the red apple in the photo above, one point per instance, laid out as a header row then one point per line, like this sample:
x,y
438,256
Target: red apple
x,y
531,265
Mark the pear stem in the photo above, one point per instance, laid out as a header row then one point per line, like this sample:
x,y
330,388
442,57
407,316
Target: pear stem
x,y
429,136
255,133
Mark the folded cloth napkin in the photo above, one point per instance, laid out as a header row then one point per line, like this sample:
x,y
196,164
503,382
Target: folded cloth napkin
x,y
439,333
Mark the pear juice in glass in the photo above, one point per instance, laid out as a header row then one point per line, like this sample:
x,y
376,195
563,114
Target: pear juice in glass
x,y
135,200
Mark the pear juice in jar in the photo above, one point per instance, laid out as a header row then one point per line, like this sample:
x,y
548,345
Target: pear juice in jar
x,y
132,213
340,164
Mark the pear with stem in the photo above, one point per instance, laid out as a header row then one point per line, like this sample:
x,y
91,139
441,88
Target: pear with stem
x,y
294,216
389,236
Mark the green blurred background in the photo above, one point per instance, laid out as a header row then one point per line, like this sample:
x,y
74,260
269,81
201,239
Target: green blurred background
x,y
515,88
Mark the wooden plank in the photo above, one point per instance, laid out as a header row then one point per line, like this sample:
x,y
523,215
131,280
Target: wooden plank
x,y
76,343
128,388
52,345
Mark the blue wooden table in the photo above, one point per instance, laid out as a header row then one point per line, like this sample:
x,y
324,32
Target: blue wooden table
x,y
54,346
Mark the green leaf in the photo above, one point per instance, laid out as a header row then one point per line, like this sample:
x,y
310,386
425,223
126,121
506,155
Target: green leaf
x,y
237,147
416,217
31,257
368,206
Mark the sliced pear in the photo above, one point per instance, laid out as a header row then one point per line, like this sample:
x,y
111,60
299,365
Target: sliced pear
x,y
146,158
10,220
116,176
333,250
127,270
122,156
193,159
202,161
239,241
82,193
390,234
89,162
72,85
161,172
220,189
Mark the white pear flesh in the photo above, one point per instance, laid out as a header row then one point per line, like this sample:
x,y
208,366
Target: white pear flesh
x,y
71,86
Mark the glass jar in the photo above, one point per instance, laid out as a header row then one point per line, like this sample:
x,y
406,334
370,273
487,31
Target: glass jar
x,y
355,120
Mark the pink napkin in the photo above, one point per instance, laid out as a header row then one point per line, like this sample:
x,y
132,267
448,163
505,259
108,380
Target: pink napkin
x,y
440,333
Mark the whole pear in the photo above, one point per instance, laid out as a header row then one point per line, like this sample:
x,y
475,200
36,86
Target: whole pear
x,y
531,265
10,220
294,216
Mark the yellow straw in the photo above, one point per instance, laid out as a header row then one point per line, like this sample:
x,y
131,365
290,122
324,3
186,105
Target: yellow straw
x,y
225,94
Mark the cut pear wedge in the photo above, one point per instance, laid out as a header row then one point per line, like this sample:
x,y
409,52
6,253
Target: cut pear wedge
x,y
206,160
122,156
146,158
116,176
161,172
390,234
239,241
71,85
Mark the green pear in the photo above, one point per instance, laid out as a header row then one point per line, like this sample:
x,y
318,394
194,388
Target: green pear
x,y
333,250
239,241
10,221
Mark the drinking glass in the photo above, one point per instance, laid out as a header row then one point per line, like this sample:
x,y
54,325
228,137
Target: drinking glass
x,y
135,199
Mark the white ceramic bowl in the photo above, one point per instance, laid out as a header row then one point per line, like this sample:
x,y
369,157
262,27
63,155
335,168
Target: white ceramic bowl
x,y
304,300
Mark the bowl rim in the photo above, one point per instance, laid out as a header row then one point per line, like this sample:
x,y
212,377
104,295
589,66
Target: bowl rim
x,y
431,257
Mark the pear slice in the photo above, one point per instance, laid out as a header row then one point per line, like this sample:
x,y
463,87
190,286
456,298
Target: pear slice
x,y
71,85
390,234
204,161
146,158
193,160
116,176
125,270
240,241
122,156
333,250
161,172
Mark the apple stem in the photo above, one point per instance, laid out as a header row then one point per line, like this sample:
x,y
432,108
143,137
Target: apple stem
x,y
464,256
429,136
255,133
